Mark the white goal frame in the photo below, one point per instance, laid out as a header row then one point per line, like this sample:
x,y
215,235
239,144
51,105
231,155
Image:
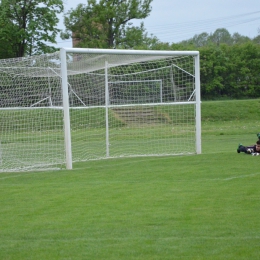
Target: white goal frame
x,y
65,90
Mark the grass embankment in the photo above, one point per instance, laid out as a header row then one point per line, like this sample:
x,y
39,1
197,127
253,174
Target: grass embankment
x,y
227,123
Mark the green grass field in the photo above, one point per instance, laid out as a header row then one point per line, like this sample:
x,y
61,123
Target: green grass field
x,y
184,207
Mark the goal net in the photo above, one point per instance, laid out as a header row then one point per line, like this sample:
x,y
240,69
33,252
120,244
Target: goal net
x,y
85,104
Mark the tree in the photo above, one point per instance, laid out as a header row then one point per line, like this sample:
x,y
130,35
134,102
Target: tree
x,y
240,39
200,40
6,32
221,35
29,25
104,24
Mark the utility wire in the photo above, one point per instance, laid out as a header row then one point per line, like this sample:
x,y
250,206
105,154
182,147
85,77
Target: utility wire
x,y
178,30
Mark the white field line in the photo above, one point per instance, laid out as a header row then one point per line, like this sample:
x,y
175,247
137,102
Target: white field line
x,y
242,176
13,176
24,174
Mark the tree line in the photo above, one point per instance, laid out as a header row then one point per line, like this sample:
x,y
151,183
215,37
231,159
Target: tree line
x,y
229,63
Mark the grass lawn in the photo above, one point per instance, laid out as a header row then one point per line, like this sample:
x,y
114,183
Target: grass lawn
x,y
182,207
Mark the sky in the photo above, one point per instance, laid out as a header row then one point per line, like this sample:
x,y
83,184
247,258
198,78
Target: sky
x,y
173,21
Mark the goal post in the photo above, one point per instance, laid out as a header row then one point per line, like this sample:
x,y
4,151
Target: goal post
x,y
88,104
198,104
66,114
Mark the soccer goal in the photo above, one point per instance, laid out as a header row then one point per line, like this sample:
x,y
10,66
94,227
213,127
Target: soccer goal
x,y
89,104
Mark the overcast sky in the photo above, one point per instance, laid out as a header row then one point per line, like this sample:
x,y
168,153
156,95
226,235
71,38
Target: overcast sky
x,y
173,21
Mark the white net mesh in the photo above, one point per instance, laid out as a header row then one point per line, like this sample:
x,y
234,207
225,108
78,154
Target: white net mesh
x,y
120,105
145,113
31,126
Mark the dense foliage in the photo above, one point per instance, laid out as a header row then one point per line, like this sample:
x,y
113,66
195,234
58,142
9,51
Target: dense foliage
x,y
26,26
230,71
